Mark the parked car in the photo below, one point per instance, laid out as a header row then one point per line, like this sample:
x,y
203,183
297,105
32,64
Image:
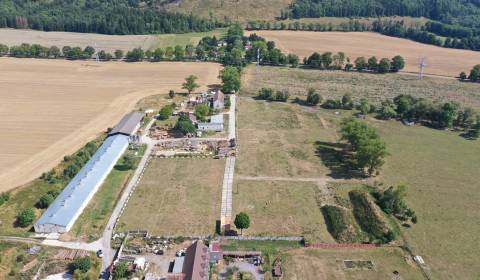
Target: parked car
x,y
99,253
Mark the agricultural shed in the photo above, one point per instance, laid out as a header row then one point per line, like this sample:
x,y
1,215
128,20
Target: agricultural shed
x,y
67,207
128,125
215,124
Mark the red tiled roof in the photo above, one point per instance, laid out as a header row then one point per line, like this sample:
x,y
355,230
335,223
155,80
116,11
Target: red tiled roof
x,y
196,261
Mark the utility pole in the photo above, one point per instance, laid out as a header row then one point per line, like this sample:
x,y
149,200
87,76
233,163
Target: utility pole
x,y
258,56
422,67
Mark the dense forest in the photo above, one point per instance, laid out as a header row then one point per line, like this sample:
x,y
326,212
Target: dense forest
x,y
462,12
95,16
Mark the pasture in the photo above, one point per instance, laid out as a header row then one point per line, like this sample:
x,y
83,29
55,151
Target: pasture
x,y
440,61
176,197
439,167
108,43
375,88
323,264
50,108
281,209
277,139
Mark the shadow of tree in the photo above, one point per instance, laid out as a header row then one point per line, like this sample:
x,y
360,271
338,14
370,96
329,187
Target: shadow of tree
x,y
339,162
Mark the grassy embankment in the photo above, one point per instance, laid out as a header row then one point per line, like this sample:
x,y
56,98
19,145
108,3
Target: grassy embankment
x,y
28,196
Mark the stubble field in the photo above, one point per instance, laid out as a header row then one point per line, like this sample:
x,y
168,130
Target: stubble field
x,y
50,108
440,61
109,43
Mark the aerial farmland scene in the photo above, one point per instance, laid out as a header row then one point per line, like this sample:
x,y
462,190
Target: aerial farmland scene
x,y
240,139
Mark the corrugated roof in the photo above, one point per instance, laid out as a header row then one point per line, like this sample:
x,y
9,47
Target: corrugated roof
x,y
127,124
65,207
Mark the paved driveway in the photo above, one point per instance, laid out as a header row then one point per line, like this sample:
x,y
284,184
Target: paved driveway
x,y
244,267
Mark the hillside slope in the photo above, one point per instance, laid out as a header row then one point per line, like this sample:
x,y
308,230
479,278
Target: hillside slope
x,y
231,10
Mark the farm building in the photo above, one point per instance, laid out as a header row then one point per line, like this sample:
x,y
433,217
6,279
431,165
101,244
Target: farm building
x,y
128,125
195,264
67,207
215,124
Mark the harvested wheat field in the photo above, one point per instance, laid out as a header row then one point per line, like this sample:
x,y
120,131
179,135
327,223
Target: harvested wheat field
x,y
108,43
440,61
50,108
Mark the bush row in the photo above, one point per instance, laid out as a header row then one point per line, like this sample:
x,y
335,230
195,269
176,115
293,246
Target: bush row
x,y
341,224
368,217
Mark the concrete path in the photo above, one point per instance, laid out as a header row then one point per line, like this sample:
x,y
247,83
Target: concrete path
x,y
108,252
232,117
226,208
93,246
244,267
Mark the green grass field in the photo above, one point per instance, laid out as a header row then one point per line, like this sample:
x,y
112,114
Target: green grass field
x,y
281,209
176,197
92,221
439,167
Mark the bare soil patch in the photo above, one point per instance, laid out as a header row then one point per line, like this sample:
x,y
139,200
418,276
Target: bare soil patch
x,y
50,108
440,61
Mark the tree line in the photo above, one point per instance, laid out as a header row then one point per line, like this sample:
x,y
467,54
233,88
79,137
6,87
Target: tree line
x,y
93,16
474,75
461,12
338,61
457,37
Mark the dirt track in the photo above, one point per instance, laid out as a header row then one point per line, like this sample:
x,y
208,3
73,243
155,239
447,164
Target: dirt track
x,y
440,61
50,108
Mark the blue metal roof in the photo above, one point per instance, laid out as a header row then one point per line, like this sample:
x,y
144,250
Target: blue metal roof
x,y
66,207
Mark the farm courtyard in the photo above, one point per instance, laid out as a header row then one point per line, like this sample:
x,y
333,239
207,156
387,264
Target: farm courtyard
x,y
53,107
176,197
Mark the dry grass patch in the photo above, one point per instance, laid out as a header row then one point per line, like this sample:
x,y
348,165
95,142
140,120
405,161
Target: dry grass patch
x,y
376,88
233,10
315,264
108,43
441,61
176,197
281,209
53,107
277,139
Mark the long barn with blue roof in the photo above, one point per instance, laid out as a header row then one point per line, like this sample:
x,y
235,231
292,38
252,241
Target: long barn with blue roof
x,y
70,203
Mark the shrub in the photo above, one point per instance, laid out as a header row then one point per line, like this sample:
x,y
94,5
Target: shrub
x,y
25,217
165,112
341,224
368,217
81,263
332,104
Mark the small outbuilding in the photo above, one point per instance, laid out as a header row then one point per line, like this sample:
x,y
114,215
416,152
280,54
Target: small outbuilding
x,y
215,124
218,101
